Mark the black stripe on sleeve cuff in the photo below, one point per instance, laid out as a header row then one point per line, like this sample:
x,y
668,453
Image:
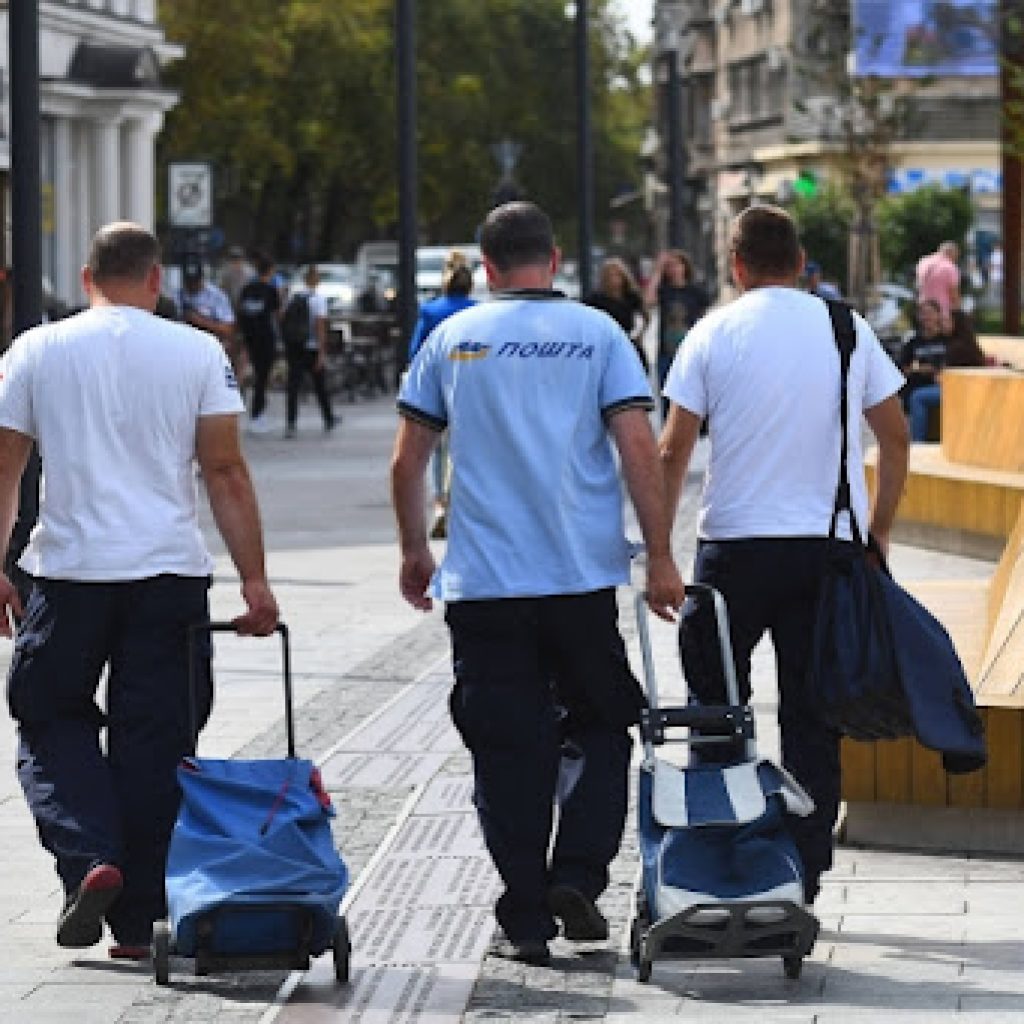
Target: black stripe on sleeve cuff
x,y
644,402
410,412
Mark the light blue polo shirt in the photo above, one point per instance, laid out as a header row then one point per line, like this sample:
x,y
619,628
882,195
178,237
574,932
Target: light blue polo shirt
x,y
525,386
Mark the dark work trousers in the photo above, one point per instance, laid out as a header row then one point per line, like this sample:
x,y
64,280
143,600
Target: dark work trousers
x,y
771,584
116,806
300,362
543,700
261,356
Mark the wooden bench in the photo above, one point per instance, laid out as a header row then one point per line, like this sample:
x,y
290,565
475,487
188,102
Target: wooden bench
x,y
962,495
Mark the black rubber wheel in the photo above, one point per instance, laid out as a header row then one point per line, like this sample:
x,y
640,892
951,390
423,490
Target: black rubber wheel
x,y
792,966
643,971
342,949
161,952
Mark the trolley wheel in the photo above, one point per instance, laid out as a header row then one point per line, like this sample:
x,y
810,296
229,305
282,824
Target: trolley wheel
x,y
161,952
792,966
643,970
342,950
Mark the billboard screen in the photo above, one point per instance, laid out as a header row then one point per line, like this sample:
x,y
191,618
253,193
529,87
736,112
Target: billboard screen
x,y
913,38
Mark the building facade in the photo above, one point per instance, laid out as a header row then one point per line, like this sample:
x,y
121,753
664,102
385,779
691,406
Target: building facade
x,y
102,105
756,118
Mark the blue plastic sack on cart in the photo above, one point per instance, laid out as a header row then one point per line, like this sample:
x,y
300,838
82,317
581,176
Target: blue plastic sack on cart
x,y
253,844
713,833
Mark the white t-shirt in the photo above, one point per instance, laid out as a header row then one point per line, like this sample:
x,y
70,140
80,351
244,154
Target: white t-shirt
x,y
765,371
317,311
112,397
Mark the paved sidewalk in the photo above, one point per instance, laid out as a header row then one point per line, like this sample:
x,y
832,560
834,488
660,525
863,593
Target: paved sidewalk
x,y
905,937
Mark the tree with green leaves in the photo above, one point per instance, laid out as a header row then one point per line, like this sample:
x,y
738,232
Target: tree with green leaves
x,y
916,223
293,102
823,219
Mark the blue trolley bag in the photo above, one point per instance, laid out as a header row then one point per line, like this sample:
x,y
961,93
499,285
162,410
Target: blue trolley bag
x,y
253,876
720,874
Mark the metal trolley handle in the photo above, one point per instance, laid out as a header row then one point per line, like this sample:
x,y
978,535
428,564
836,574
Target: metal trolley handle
x,y
736,719
197,630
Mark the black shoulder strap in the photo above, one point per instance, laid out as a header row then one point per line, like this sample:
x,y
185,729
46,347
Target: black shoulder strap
x,y
845,334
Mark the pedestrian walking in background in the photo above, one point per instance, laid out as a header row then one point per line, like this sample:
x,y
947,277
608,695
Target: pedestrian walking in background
x,y
121,405
938,278
617,295
456,284
304,329
533,389
680,302
236,273
205,306
765,372
259,313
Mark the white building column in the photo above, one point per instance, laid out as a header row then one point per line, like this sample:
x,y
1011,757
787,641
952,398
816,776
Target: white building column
x,y
64,221
106,172
138,169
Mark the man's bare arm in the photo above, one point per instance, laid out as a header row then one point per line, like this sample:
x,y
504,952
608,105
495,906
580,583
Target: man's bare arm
x,y
320,329
413,445
233,502
889,426
631,431
222,331
15,449
676,444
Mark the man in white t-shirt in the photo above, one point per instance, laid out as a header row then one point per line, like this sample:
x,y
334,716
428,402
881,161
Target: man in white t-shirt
x,y
304,327
121,405
764,372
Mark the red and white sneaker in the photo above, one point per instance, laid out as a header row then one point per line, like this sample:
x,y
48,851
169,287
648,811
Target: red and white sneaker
x,y
81,923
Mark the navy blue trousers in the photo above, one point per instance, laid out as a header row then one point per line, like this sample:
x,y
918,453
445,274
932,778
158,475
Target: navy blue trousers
x,y
543,700
117,805
771,585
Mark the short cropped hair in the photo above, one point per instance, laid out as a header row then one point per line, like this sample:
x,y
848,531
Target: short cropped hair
x,y
765,240
517,234
122,251
264,264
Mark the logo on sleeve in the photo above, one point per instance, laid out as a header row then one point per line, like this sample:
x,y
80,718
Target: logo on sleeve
x,y
467,351
230,379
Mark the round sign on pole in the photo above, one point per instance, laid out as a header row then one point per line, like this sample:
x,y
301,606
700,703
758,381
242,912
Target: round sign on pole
x,y
190,195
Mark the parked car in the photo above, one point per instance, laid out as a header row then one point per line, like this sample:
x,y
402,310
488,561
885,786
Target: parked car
x,y
890,312
337,283
430,266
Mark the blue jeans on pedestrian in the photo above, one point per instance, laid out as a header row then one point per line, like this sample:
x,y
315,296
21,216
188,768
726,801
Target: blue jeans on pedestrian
x,y
543,700
921,402
771,585
118,805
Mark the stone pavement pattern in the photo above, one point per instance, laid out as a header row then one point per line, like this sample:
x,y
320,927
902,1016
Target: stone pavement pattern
x,y
905,937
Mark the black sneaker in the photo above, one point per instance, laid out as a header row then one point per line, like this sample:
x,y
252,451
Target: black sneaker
x,y
81,924
581,920
525,951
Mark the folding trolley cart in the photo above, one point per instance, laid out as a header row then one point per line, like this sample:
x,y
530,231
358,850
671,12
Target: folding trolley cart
x,y
254,881
720,876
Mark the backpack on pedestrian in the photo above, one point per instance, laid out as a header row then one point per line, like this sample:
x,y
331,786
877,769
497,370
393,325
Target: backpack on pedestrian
x,y
295,325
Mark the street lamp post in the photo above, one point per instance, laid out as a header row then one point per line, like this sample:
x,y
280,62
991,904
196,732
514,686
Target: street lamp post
x,y
405,35
26,223
673,51
584,148
26,190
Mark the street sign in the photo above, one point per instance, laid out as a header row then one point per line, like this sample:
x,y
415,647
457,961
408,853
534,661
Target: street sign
x,y
190,194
